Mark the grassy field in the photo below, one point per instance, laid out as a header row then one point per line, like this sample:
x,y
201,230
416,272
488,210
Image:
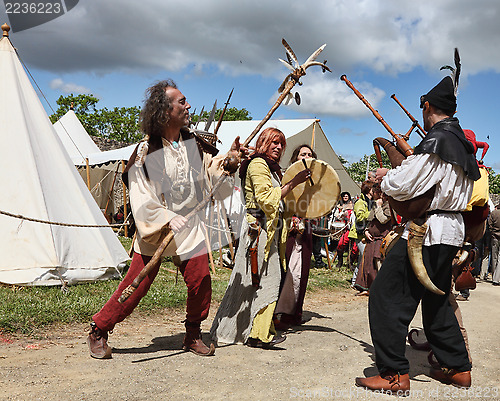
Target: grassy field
x,y
28,309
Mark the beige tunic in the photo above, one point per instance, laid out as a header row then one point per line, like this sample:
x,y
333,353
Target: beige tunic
x,y
169,191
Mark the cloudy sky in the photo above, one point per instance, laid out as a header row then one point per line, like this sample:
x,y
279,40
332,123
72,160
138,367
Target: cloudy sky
x,y
115,49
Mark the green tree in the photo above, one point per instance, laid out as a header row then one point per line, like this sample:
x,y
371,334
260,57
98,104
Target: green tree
x,y
120,123
494,182
231,114
84,107
343,161
357,170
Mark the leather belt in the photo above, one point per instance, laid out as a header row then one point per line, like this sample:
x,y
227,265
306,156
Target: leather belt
x,y
439,211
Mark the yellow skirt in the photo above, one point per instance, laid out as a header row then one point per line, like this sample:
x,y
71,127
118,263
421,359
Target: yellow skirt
x,y
263,326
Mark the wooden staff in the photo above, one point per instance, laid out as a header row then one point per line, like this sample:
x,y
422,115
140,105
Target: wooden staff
x,y
231,163
127,292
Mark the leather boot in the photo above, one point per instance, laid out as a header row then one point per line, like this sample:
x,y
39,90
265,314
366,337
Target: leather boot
x,y
452,376
193,342
97,341
389,382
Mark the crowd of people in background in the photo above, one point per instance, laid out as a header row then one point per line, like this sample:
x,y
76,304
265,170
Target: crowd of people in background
x,y
363,227
486,265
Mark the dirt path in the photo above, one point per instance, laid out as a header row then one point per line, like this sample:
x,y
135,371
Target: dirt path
x,y
318,361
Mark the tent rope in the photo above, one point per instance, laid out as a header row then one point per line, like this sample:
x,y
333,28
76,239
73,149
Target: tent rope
x,y
331,235
222,230
21,217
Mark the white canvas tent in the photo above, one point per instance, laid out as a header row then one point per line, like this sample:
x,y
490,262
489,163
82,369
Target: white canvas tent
x,y
98,169
75,138
80,146
297,132
39,181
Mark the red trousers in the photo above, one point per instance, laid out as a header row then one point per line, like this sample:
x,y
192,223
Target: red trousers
x,y
196,273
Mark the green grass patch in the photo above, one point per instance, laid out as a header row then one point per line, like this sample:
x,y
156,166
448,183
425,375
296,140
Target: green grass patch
x,y
29,309
324,279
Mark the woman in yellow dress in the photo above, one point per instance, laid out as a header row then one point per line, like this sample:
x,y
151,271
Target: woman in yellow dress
x,y
246,311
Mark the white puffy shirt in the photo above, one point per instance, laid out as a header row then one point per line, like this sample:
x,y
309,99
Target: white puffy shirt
x,y
416,175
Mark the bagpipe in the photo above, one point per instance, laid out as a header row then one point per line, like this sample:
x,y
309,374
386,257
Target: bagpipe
x,y
396,151
415,209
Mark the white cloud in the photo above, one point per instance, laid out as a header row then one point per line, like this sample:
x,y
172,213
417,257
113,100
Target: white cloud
x,y
243,37
323,95
68,87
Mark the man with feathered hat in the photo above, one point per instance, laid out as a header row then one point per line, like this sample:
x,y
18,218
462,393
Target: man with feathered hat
x,y
444,160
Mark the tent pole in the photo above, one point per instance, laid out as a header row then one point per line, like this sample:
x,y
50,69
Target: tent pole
x,y
229,235
211,220
209,249
219,235
88,172
131,250
125,212
110,193
325,241
312,136
328,255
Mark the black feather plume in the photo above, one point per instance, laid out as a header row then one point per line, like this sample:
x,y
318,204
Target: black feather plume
x,y
455,72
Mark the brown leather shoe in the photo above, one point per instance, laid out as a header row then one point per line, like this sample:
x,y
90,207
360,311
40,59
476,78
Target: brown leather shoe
x,y
198,347
451,376
388,382
193,342
97,341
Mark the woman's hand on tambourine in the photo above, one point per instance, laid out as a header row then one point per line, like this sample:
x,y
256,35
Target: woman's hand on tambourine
x,y
301,176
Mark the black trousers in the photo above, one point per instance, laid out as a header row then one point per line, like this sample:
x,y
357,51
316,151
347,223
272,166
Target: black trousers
x,y
394,297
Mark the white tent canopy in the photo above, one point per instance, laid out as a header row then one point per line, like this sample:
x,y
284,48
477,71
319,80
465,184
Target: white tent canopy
x,y
112,155
297,132
80,145
40,181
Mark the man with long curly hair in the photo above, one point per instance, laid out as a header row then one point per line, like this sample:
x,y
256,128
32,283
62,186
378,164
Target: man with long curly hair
x,y
167,176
